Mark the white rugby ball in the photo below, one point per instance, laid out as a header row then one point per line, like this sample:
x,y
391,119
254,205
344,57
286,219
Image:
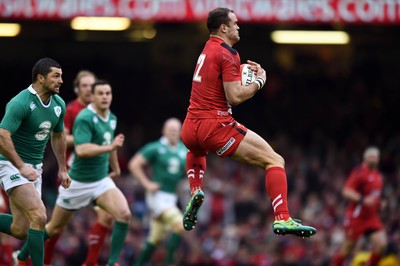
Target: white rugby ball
x,y
248,75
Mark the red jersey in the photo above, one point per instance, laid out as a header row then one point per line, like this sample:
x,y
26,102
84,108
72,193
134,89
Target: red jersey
x,y
73,109
217,63
367,182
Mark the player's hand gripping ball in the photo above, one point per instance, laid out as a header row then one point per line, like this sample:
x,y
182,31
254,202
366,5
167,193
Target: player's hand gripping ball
x,y
248,75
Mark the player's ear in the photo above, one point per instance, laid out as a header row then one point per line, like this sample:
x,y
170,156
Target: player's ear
x,y
76,89
223,28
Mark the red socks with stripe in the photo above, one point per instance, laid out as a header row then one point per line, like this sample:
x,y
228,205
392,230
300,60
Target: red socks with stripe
x,y
276,184
96,241
195,167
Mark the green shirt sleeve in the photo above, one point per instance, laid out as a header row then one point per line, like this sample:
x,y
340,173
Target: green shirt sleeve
x,y
15,114
149,152
82,131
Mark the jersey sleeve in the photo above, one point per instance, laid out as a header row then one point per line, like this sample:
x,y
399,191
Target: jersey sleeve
x,y
13,117
149,152
230,67
354,180
82,130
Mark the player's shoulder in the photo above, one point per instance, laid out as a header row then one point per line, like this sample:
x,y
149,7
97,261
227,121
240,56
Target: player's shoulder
x,y
218,46
58,100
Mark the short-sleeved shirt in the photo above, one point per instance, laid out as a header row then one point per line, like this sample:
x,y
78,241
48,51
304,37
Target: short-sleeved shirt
x,y
168,163
366,182
89,127
30,122
217,63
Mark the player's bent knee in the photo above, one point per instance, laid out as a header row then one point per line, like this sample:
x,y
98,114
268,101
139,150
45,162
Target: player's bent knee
x,y
37,219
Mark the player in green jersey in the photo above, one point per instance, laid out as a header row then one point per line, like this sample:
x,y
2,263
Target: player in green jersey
x,y
167,159
95,152
32,117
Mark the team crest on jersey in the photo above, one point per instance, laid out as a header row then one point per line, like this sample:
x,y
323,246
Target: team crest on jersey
x,y
113,124
32,106
57,110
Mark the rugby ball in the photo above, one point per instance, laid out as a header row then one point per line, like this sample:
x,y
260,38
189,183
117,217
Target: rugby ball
x,y
248,75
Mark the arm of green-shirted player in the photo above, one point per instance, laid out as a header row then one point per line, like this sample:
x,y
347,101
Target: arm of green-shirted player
x,y
8,150
114,165
136,167
59,145
89,150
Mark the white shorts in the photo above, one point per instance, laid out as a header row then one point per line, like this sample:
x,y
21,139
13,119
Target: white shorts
x,y
160,201
10,177
80,194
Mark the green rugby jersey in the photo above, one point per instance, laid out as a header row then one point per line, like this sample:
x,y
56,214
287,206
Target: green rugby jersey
x,y
91,128
30,122
168,163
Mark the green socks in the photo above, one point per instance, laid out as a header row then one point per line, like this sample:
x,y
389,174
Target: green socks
x,y
118,236
5,223
172,246
36,246
24,252
146,253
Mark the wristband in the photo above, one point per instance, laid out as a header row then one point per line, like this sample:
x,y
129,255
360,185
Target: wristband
x,y
260,82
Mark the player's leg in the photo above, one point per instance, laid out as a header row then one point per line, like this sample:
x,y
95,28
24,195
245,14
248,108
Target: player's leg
x,y
379,243
25,201
156,234
115,203
172,218
195,167
59,219
97,235
344,252
256,151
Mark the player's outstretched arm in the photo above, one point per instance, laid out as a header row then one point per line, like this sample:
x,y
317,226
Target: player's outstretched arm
x,y
89,150
136,167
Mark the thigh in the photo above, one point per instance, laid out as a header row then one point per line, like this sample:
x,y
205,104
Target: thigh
x,y
256,151
378,240
114,202
59,219
221,136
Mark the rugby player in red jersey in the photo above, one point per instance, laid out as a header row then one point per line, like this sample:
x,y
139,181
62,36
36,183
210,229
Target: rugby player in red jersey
x,y
210,127
363,191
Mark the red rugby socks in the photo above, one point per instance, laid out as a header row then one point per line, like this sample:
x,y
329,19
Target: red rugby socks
x,y
276,185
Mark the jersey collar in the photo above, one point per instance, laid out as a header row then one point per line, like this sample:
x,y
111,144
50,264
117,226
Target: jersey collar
x,y
32,90
91,108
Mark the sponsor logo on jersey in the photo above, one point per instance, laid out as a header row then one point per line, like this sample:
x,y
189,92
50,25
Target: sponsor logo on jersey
x,y
32,106
44,132
57,110
226,146
15,177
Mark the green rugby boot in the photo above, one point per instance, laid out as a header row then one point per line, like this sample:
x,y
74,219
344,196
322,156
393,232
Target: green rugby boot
x,y
293,227
193,207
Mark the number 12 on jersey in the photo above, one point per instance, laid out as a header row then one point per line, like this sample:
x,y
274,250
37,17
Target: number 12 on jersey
x,y
200,63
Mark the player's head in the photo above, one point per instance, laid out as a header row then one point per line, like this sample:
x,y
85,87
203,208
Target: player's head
x,y
83,85
371,157
43,67
101,95
172,130
48,73
223,22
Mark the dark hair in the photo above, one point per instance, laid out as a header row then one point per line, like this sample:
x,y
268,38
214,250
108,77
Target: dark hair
x,y
217,17
99,82
43,67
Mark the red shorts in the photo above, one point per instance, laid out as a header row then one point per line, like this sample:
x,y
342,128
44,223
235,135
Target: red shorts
x,y
219,135
355,228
